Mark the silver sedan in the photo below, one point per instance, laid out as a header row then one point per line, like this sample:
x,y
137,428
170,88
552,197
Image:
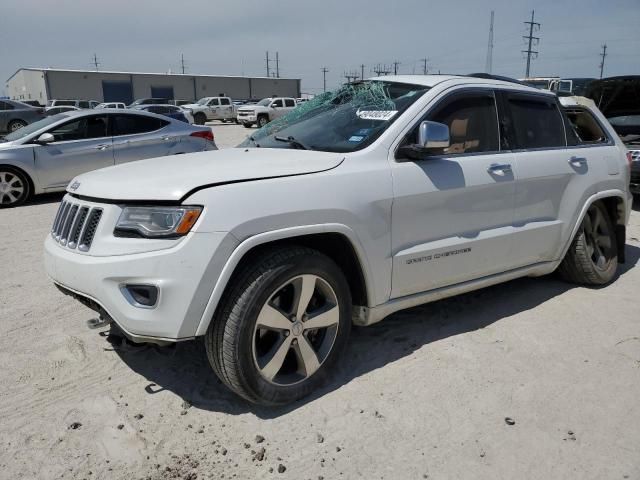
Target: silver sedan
x,y
44,156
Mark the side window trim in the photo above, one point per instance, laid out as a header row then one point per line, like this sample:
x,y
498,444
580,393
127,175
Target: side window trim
x,y
113,130
451,96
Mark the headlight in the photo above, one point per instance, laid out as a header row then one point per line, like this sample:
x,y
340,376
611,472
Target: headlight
x,y
157,222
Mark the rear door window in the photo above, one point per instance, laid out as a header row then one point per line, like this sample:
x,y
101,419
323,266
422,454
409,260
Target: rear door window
x,y
5,106
535,122
134,124
289,103
225,101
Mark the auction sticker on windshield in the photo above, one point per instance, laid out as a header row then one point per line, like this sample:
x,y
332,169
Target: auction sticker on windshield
x,y
382,115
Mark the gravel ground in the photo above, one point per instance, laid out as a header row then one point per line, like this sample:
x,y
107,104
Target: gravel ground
x,y
533,379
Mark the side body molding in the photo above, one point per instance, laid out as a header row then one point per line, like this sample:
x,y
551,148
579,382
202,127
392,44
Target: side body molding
x,y
275,235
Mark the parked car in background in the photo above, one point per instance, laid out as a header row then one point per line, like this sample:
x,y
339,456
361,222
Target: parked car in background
x,y
150,101
391,193
212,108
61,109
111,105
619,100
571,86
46,155
180,103
72,103
15,115
170,111
265,111
33,103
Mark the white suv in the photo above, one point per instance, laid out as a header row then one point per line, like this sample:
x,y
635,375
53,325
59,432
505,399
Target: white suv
x,y
381,196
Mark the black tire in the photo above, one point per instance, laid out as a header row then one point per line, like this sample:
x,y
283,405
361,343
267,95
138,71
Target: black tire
x,y
15,187
592,258
16,125
199,118
236,120
232,338
247,124
262,121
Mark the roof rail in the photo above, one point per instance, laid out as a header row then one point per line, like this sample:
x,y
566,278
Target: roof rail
x,y
488,76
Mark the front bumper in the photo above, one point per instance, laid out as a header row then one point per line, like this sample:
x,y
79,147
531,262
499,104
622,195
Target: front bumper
x,y
185,275
247,117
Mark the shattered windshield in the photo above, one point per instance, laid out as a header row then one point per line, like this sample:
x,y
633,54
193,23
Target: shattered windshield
x,y
345,120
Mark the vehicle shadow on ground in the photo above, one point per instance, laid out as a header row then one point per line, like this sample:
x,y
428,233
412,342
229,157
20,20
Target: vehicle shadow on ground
x,y
55,197
636,203
184,369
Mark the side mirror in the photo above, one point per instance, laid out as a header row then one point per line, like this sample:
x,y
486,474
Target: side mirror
x,y
45,138
433,135
273,105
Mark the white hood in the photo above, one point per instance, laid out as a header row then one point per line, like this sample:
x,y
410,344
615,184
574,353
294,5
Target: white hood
x,y
171,178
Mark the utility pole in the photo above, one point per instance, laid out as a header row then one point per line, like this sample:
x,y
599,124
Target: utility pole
x,y
603,55
268,65
424,65
277,66
532,41
395,67
489,65
182,63
324,78
362,71
95,62
381,70
350,76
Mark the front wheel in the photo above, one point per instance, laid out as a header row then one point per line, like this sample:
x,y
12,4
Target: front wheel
x,y
283,326
592,258
15,188
200,118
262,121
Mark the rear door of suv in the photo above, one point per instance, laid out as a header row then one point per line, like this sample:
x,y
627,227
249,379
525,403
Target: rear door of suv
x,y
554,172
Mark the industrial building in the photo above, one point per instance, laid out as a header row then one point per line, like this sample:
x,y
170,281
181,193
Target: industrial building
x,y
43,84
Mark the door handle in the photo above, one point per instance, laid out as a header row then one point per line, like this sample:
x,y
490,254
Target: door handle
x,y
499,168
167,138
578,161
104,146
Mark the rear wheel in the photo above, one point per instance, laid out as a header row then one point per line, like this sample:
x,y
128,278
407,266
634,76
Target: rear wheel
x,y
592,258
200,118
16,125
262,121
15,188
283,326
247,124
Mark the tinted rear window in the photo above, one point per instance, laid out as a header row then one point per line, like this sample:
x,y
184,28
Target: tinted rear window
x,y
132,124
537,123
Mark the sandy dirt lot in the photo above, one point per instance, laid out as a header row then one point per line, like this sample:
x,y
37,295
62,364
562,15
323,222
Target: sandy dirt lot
x,y
423,394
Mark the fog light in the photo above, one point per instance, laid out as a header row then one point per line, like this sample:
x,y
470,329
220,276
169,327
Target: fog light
x,y
145,296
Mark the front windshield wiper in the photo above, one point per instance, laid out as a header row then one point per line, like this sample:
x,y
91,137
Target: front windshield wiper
x,y
293,142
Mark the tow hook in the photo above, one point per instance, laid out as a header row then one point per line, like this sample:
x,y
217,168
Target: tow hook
x,y
99,322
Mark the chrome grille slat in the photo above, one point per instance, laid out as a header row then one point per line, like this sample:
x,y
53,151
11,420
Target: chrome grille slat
x,y
75,225
71,216
76,229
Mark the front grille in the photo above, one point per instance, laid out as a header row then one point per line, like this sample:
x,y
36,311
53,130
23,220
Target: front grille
x,y
75,225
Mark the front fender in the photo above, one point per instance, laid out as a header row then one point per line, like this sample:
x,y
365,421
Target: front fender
x,y
23,158
260,239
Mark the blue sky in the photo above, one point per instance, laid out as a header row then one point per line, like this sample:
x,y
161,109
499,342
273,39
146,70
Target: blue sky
x,y
231,37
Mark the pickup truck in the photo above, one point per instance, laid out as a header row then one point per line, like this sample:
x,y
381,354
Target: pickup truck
x,y
265,111
212,108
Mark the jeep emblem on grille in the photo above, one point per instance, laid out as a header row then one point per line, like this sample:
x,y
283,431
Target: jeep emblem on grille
x,y
74,186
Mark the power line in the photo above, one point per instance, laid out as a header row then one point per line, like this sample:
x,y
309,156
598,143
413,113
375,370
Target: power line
x,y
324,78
351,76
603,55
489,65
532,41
382,70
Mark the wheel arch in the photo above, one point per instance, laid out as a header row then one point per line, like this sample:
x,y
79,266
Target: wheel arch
x,y
616,204
338,242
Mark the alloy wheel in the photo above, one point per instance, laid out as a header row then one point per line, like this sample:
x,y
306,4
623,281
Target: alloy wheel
x,y
598,238
11,188
295,330
17,125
